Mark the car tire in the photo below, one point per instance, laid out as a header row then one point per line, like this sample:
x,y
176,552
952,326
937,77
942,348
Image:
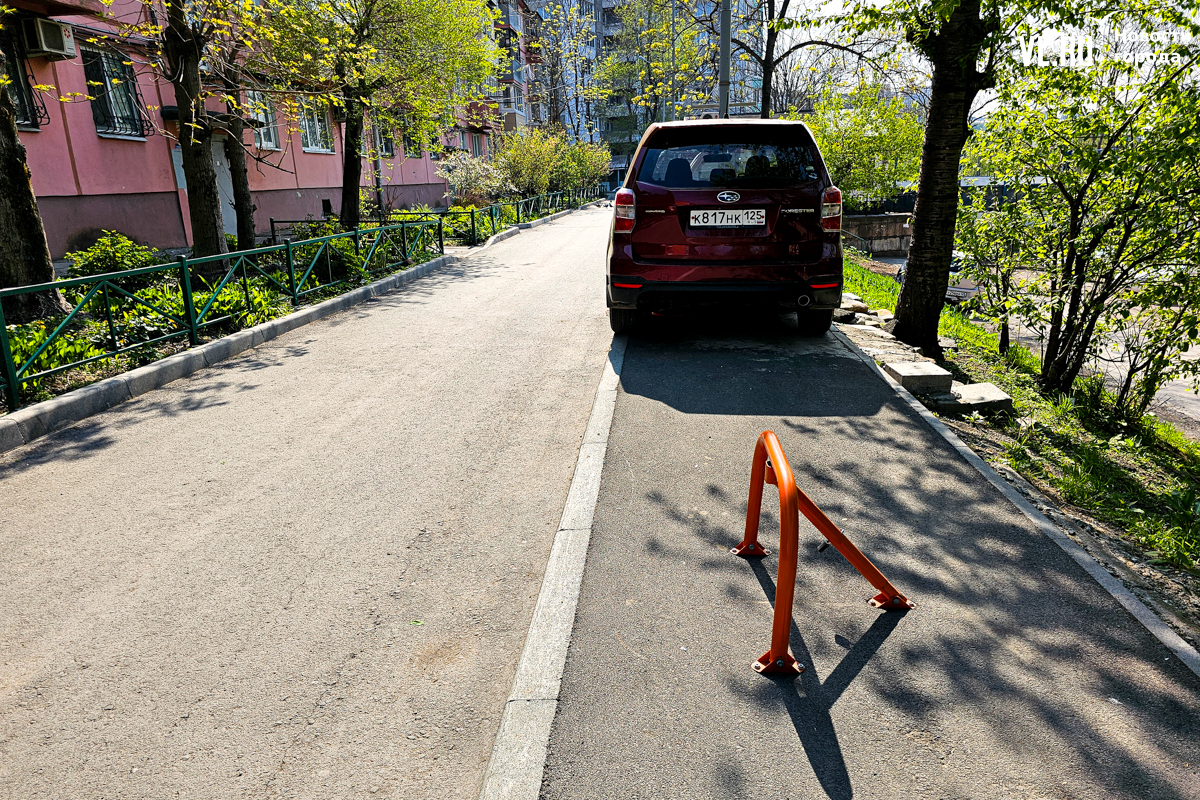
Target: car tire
x,y
814,323
622,320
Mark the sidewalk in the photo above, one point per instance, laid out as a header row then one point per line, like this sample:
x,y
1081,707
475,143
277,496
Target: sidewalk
x,y
1016,677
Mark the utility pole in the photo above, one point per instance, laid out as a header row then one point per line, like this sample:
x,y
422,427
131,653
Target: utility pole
x,y
672,60
723,89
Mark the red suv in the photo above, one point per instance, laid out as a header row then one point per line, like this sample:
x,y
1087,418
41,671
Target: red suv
x,y
726,211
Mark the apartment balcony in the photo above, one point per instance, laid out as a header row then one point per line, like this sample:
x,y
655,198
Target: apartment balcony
x,y
510,17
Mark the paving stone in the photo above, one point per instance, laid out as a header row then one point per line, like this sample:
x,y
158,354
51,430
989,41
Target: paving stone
x,y
920,377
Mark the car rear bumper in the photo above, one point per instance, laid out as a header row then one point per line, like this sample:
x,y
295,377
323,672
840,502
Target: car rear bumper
x,y
633,292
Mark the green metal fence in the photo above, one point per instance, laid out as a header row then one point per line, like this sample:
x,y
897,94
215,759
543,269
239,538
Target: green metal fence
x,y
120,312
472,226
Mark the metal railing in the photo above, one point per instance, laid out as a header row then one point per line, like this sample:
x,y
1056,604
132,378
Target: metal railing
x,y
119,312
472,226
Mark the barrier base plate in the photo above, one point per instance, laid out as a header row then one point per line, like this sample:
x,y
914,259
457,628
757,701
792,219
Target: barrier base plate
x,y
754,550
780,666
897,603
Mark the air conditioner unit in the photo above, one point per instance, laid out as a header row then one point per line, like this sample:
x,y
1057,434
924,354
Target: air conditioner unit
x,y
50,39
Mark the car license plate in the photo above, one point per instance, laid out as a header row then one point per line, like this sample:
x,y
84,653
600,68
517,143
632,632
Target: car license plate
x,y
729,218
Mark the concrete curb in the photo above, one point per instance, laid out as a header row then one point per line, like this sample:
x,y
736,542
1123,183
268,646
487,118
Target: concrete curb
x,y
26,424
1149,620
519,752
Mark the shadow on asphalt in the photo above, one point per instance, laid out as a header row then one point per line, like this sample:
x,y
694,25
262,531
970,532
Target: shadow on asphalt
x,y
1015,676
742,363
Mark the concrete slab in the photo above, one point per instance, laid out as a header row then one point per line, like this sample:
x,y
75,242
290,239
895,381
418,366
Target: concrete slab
x,y
920,377
986,398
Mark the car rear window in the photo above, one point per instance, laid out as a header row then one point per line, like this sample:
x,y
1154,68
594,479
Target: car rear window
x,y
689,159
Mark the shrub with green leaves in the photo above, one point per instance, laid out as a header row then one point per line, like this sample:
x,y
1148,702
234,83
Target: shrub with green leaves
x,y
113,252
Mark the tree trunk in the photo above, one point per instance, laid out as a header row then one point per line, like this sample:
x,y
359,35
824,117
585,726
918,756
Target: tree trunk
x,y
183,48
351,164
768,73
24,253
954,53
243,201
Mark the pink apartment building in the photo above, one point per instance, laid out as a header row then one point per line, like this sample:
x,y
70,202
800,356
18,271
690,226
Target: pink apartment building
x,y
105,164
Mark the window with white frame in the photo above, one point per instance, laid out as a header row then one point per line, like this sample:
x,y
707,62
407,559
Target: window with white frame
x,y
316,132
476,145
266,129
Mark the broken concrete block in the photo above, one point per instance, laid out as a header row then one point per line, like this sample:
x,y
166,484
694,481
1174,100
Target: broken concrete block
x,y
854,305
883,314
920,377
986,398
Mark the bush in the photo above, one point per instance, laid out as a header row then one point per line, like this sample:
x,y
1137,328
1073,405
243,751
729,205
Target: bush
x,y
473,181
528,157
113,252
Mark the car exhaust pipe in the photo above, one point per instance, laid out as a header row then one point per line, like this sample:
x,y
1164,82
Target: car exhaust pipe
x,y
804,301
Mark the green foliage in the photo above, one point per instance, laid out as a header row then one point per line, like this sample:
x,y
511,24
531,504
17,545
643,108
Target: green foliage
x,y
580,165
1097,247
526,159
870,142
112,252
415,64
26,339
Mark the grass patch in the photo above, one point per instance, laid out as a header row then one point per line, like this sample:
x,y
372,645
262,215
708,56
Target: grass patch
x,y
1140,477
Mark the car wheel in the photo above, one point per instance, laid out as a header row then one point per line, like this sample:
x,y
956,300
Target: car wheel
x,y
814,323
622,320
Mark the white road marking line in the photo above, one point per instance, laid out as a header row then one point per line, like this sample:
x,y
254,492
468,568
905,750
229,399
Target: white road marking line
x,y
519,753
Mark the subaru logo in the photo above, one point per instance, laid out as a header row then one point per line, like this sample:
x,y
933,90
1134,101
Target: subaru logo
x,y
729,197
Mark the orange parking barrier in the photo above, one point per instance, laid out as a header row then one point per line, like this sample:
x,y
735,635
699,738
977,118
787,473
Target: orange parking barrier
x,y
792,500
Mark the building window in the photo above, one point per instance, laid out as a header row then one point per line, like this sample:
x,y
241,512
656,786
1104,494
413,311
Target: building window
x,y
412,148
266,129
385,144
116,104
316,134
462,141
476,145
31,111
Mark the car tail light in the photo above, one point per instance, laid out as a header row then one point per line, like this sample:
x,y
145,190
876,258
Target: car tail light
x,y
625,210
831,209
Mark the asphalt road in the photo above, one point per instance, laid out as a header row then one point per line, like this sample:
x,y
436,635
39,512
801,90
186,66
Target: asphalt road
x,y
308,572
1016,678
